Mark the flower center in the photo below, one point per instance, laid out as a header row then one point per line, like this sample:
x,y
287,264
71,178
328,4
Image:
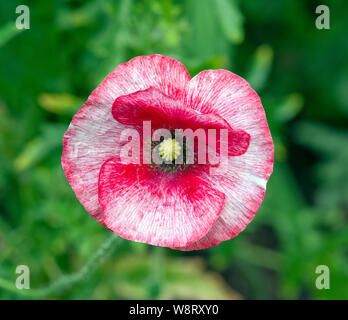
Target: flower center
x,y
169,149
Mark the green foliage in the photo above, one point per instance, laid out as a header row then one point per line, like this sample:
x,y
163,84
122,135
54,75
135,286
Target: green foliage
x,y
301,75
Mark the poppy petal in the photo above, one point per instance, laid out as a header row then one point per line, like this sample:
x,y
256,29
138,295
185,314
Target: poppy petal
x,y
93,135
164,112
244,183
164,210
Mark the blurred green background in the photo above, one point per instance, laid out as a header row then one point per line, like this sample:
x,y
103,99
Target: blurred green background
x,y
301,75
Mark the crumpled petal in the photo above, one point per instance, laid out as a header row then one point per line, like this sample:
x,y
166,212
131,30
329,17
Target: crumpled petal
x,y
165,112
93,135
158,209
244,184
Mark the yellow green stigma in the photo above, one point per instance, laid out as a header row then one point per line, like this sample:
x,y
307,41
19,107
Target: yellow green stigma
x,y
169,149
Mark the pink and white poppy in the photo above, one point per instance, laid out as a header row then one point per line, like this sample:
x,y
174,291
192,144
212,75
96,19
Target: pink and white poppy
x,y
181,206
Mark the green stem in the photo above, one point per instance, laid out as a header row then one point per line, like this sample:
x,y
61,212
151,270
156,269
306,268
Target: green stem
x,y
157,273
67,281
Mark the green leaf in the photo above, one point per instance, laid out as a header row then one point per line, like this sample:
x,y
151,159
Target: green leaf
x,y
231,20
7,32
288,110
60,103
260,67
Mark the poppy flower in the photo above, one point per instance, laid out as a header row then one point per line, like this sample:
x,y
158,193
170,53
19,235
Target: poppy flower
x,y
170,203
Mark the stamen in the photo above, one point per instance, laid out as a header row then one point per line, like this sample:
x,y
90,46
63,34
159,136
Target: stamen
x,y
169,149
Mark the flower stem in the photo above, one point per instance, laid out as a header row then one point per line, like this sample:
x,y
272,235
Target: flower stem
x,y
157,273
67,281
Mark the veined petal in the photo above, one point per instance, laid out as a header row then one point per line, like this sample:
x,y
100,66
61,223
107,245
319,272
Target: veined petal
x,y
93,135
164,112
163,210
244,183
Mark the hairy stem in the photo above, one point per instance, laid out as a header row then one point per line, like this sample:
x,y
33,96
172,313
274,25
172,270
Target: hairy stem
x,y
67,281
